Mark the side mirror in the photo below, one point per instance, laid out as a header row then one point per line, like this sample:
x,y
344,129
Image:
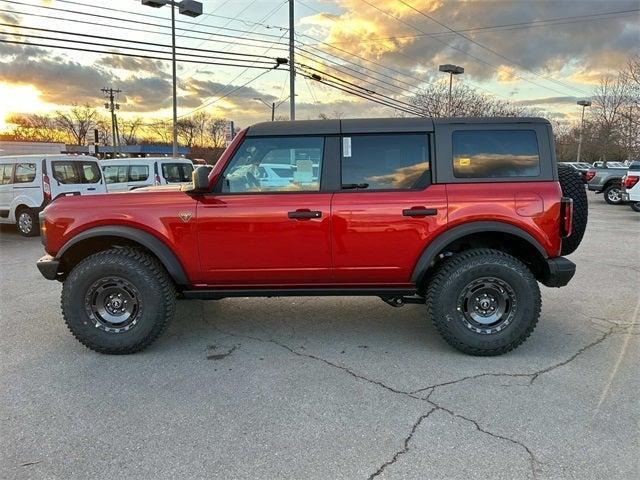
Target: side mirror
x,y
200,178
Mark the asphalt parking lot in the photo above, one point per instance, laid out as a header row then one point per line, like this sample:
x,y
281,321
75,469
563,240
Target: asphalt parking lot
x,y
322,388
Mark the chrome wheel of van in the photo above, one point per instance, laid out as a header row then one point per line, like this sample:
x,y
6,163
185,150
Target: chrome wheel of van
x,y
27,223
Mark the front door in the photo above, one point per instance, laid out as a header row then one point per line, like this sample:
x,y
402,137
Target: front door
x,y
6,189
260,234
387,211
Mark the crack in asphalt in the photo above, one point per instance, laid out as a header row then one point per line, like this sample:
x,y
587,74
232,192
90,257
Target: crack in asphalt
x,y
533,461
405,444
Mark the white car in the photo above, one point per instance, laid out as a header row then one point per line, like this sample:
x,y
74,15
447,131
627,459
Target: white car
x,y
124,174
29,182
631,185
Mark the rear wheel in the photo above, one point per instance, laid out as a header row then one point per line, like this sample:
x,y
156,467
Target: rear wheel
x,y
635,206
118,301
27,222
613,194
573,187
483,302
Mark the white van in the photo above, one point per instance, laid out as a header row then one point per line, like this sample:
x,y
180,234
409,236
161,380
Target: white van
x,y
29,182
123,174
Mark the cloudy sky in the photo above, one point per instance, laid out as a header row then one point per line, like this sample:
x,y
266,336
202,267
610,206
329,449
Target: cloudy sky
x,y
546,54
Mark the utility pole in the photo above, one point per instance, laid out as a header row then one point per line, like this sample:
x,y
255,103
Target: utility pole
x,y
112,106
292,64
583,104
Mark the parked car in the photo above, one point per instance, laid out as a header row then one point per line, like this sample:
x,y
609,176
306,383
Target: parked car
x,y
464,215
607,181
123,174
631,186
580,167
609,165
29,182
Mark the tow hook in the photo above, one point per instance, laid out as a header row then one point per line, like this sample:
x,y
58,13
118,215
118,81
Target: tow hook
x,y
401,301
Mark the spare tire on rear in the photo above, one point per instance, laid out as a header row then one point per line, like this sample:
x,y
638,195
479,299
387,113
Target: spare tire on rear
x,y
572,186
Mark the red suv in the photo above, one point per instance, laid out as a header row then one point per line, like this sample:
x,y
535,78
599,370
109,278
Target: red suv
x,y
463,215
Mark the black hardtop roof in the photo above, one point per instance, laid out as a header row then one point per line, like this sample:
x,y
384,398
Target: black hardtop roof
x,y
375,125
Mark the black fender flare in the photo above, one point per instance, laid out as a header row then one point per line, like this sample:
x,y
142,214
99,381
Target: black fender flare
x,y
155,245
434,248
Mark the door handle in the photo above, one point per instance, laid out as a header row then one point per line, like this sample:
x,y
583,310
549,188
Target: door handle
x,y
304,214
419,212
91,188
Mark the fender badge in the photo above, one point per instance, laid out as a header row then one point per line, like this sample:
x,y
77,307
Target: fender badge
x,y
185,216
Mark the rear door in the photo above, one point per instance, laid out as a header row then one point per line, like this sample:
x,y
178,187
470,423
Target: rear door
x,y
90,177
387,210
278,236
6,187
140,175
27,186
116,176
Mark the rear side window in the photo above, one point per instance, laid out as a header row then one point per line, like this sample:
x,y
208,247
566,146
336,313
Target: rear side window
x,y
115,174
6,170
90,172
177,172
495,153
65,172
138,173
385,161
25,172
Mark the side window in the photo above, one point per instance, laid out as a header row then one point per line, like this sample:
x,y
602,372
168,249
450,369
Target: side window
x,y
115,174
25,172
65,172
177,172
6,170
275,164
138,173
90,172
385,161
495,153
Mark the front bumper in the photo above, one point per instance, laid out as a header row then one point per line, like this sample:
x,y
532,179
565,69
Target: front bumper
x,y
48,267
559,272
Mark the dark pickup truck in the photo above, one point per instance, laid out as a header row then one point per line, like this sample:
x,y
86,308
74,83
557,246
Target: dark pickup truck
x,y
608,181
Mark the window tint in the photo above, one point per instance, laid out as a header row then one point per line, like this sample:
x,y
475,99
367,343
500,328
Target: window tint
x,y
495,154
90,172
65,172
115,174
6,170
177,172
138,173
634,166
385,161
25,172
275,164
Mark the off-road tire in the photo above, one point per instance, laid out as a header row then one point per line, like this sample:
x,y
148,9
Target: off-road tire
x,y
33,229
451,280
635,206
607,191
141,271
573,187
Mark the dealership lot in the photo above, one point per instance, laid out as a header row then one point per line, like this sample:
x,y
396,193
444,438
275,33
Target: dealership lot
x,y
328,388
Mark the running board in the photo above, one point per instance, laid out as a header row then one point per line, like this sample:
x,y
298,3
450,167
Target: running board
x,y
298,292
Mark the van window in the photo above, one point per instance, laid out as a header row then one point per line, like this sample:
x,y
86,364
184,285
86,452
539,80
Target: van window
x,y
385,161
177,172
115,174
138,173
495,154
65,172
25,172
90,172
6,171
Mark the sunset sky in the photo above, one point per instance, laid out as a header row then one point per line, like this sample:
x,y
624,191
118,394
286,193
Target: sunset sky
x,y
546,54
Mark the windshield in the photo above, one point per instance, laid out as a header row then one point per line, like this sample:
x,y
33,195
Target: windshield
x,y
177,172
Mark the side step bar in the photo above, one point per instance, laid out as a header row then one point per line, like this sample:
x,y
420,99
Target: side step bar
x,y
218,294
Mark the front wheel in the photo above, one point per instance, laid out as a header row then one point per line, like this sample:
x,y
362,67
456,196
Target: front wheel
x,y
635,206
613,195
27,223
118,301
484,302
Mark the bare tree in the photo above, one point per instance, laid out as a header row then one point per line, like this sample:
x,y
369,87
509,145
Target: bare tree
x,y
162,130
187,131
216,132
607,113
77,122
129,130
35,128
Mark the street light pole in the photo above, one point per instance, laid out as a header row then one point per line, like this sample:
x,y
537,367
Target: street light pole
x,y
583,104
292,63
451,70
192,9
